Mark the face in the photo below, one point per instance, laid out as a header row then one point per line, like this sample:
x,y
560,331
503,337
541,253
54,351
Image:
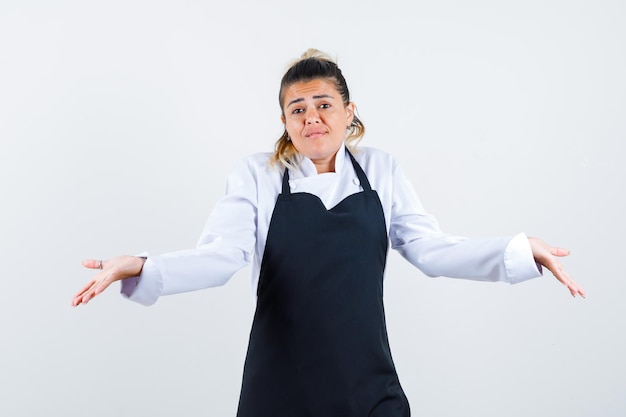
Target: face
x,y
316,120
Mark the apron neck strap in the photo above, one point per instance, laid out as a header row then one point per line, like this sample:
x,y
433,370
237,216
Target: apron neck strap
x,y
286,189
365,184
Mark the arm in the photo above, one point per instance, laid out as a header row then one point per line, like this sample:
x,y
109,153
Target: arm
x,y
418,238
225,246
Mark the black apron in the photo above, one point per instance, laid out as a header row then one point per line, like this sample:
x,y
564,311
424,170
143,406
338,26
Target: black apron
x,y
318,345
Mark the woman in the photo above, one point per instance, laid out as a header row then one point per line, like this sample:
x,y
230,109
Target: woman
x,y
315,219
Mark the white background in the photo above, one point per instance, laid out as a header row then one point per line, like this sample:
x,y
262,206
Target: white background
x,y
120,120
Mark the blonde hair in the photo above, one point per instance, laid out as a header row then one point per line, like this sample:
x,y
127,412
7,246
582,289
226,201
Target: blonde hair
x,y
314,64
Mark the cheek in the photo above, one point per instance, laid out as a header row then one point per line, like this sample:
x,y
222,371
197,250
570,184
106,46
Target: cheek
x,y
292,127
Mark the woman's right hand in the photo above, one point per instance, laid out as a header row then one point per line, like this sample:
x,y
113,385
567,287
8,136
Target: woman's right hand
x,y
114,269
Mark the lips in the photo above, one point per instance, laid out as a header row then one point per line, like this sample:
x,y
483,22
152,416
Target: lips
x,y
315,133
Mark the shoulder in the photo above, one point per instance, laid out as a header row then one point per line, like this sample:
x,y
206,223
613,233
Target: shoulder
x,y
258,164
252,174
256,159
374,158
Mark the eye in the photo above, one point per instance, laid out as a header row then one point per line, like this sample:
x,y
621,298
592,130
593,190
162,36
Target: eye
x,y
325,106
297,111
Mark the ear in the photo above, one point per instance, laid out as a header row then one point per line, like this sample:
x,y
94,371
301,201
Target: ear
x,y
282,118
350,113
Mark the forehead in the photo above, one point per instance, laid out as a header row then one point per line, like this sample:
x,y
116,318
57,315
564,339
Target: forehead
x,y
308,89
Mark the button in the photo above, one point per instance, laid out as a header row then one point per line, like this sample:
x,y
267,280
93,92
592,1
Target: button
x,y
293,185
356,181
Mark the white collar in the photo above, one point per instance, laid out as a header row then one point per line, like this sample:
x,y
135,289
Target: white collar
x,y
308,169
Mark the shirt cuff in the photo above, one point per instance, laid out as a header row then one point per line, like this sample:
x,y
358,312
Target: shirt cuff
x,y
519,261
145,288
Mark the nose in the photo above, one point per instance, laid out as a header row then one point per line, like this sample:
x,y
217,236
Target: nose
x,y
312,116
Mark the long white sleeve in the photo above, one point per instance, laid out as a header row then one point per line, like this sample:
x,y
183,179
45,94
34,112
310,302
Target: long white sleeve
x,y
417,237
225,246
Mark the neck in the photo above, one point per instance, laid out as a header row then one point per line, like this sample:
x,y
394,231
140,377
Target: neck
x,y
325,165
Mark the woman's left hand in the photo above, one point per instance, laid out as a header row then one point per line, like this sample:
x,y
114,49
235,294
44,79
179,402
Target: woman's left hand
x,y
547,255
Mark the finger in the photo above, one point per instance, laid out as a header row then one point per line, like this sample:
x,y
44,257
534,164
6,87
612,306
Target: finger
x,y
578,291
101,286
85,299
558,272
76,300
83,295
88,292
85,288
559,251
562,276
82,299
575,289
91,293
93,263
79,299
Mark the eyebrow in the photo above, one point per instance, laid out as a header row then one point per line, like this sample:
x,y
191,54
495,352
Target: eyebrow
x,y
298,100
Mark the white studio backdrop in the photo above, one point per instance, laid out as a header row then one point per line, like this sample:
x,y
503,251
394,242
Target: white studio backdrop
x,y
120,120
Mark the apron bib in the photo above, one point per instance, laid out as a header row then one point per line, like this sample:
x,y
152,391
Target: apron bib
x,y
318,345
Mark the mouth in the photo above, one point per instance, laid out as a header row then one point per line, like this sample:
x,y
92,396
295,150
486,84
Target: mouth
x,y
314,134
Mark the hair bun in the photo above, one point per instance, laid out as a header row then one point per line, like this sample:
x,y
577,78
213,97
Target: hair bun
x,y
316,53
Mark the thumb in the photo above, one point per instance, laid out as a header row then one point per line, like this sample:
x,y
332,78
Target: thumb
x,y
559,251
93,263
